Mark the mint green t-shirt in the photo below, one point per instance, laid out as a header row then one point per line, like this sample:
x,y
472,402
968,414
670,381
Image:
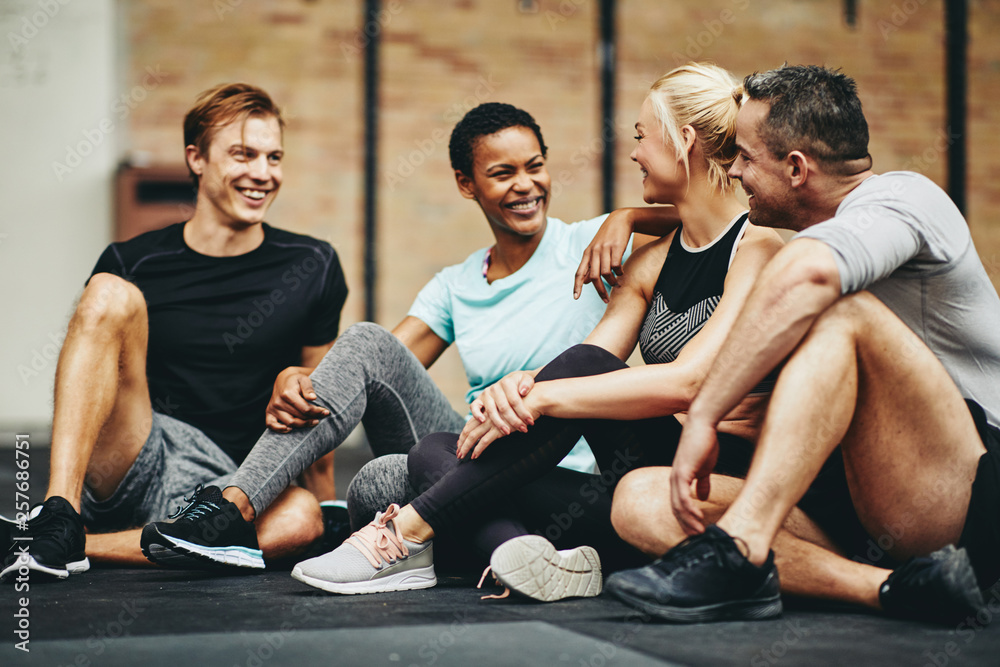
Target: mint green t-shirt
x,y
520,322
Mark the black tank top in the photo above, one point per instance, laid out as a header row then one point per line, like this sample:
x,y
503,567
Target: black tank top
x,y
686,293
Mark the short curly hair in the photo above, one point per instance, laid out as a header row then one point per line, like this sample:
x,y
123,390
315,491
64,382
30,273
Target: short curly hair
x,y
486,119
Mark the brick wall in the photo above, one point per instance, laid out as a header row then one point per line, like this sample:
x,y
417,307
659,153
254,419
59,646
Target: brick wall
x,y
441,58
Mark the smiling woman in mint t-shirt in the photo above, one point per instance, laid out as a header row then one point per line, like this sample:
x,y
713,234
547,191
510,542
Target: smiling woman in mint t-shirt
x,y
678,298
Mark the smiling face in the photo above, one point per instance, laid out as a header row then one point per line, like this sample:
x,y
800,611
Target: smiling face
x,y
239,177
772,201
663,175
510,181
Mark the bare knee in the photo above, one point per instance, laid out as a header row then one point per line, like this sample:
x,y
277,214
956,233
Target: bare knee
x,y
852,313
305,516
109,301
292,522
628,506
641,512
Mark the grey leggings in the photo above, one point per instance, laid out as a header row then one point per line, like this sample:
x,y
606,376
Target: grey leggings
x,y
367,377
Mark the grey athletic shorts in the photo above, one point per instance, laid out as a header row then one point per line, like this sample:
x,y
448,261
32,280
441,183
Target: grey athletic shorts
x,y
175,458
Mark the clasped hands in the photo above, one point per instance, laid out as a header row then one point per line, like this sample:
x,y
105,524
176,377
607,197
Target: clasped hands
x,y
500,409
509,406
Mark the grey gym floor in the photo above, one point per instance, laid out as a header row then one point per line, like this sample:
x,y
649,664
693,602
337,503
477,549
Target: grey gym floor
x,y
151,617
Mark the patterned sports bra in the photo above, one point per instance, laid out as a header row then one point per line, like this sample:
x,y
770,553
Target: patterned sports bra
x,y
686,294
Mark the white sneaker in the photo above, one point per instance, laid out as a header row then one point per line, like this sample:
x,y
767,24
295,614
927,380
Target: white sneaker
x,y
531,566
375,559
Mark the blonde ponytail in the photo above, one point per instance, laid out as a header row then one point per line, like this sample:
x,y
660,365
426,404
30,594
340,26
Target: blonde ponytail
x,y
707,98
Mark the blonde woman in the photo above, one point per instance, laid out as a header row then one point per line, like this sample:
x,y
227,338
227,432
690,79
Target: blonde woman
x,y
678,299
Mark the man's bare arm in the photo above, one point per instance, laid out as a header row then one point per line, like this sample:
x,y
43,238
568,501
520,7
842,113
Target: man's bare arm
x,y
793,290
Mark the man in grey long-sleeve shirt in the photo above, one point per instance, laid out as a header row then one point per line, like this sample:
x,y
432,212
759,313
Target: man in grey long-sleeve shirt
x,y
903,377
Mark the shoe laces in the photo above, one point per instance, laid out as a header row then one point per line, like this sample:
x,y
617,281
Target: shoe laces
x,y
378,541
914,574
47,525
44,523
196,508
716,543
506,589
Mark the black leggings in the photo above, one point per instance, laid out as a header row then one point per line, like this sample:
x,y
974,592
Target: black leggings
x,y
515,487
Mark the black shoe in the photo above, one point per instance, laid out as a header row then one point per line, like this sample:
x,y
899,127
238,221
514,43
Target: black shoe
x,y
8,529
940,588
52,544
704,578
336,525
210,530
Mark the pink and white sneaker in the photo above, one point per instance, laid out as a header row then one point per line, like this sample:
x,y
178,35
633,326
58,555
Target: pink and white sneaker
x,y
375,559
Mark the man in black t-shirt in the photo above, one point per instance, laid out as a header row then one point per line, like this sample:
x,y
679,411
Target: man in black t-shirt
x,y
171,355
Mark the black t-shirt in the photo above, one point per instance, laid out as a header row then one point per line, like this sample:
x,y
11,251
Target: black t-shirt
x,y
222,328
